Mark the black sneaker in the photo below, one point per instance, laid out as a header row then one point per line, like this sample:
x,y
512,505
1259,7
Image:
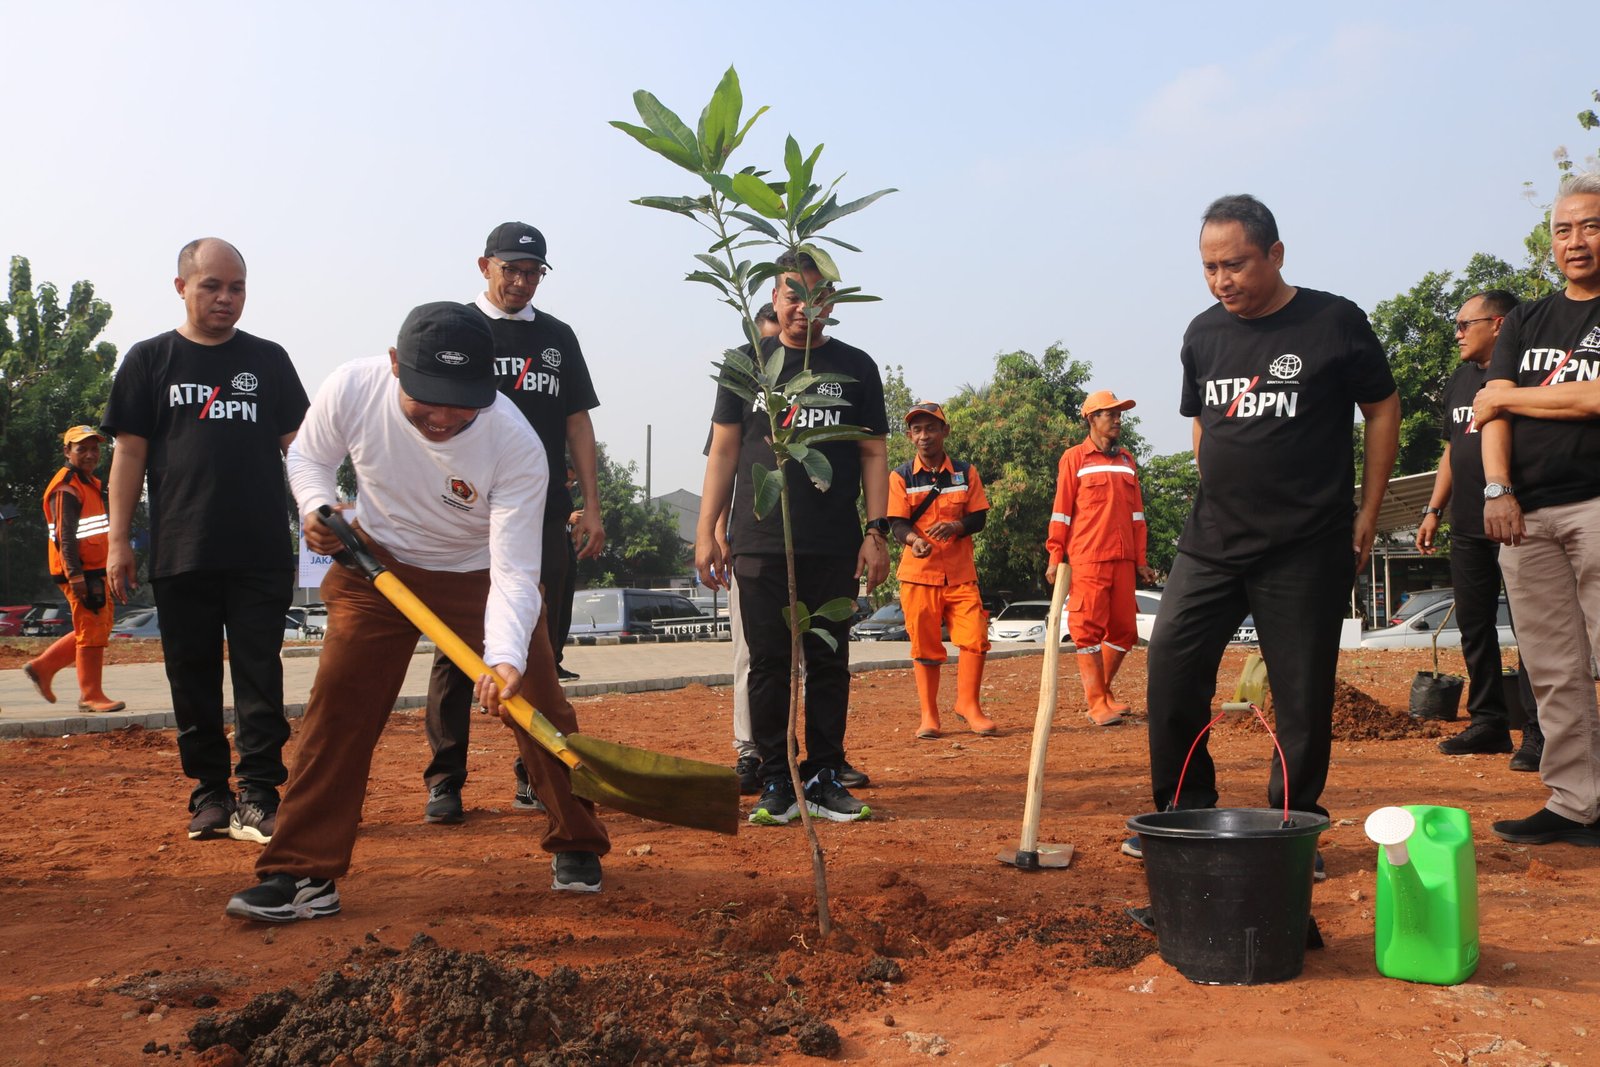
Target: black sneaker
x,y
252,820
1527,757
851,778
211,817
444,804
524,798
777,806
283,898
575,872
567,676
1544,827
827,798
748,768
1476,739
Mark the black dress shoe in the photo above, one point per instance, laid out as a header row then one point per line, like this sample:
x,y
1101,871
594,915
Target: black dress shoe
x,y
1545,827
1477,739
565,675
851,778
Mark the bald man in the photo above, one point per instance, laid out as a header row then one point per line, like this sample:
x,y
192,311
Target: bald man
x,y
207,411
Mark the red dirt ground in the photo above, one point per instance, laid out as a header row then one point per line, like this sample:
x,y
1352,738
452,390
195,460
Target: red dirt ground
x,y
451,948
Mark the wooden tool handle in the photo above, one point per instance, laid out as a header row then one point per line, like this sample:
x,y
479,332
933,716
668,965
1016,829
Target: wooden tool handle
x,y
1049,683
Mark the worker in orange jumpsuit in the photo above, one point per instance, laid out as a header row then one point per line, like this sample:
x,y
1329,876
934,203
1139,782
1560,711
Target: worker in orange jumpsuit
x,y
1097,526
75,514
936,504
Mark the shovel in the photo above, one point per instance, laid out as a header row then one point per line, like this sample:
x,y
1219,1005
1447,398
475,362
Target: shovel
x,y
1029,854
669,789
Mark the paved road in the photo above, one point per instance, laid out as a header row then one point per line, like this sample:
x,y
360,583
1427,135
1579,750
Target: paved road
x,y
603,669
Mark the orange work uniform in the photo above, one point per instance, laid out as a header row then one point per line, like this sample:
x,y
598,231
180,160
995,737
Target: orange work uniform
x,y
943,587
92,626
1097,525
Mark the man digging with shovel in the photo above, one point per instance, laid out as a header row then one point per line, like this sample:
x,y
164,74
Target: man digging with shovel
x,y
453,482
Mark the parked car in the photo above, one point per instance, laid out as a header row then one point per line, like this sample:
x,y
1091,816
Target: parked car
x,y
1417,601
11,619
1025,621
47,620
1418,631
1149,602
146,624
888,623
609,612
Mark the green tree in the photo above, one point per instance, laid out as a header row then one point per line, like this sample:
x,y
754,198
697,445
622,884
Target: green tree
x,y
53,374
642,540
1014,429
1168,484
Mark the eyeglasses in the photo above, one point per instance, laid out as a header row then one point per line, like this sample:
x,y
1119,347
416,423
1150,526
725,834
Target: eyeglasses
x,y
517,274
1462,324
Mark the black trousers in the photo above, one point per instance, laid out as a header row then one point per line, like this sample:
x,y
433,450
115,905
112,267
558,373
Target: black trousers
x,y
195,609
1475,573
449,713
560,612
763,596
1299,596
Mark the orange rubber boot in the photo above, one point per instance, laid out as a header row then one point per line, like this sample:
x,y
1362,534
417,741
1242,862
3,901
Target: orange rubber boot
x,y
91,664
1092,670
927,675
1111,658
969,679
42,670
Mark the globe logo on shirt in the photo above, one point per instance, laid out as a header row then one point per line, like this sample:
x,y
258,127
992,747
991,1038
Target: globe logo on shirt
x,y
551,358
830,389
245,382
1286,366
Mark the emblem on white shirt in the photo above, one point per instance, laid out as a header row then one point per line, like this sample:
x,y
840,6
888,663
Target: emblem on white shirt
x,y
462,490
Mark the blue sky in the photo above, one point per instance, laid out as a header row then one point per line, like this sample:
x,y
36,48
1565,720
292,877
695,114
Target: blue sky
x,y
1052,162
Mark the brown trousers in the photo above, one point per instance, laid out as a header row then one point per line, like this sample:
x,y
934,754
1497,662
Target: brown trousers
x,y
363,665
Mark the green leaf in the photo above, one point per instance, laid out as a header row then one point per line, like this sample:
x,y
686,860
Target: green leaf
x,y
756,222
818,435
737,388
826,638
817,468
774,367
794,166
738,140
825,264
768,484
757,194
834,212
855,298
734,359
722,184
680,205
667,125
836,241
838,609
720,119
799,618
709,279
718,267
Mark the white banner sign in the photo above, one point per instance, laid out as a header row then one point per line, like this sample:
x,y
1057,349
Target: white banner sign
x,y
313,566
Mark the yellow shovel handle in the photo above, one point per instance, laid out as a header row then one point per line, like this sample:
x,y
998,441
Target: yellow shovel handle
x,y
538,727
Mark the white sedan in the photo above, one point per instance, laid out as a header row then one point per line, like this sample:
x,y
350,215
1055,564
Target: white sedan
x,y
1149,601
1024,621
1418,630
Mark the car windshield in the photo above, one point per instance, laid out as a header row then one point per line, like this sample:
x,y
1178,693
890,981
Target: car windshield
x,y
888,613
1025,612
603,608
137,620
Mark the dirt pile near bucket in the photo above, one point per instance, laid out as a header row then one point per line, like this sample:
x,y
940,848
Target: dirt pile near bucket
x,y
1356,717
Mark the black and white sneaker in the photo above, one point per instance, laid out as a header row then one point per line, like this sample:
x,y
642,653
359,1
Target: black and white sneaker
x,y
212,817
444,804
827,798
524,798
777,805
252,821
575,872
283,898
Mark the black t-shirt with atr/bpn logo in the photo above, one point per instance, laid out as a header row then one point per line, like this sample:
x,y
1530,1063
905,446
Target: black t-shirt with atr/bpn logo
x,y
1466,449
213,416
1276,399
824,524
1548,342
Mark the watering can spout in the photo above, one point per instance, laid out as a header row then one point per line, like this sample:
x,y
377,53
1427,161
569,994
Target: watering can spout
x,y
1392,828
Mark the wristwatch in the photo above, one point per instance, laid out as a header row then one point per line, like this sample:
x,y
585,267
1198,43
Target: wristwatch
x,y
1431,510
878,526
1494,491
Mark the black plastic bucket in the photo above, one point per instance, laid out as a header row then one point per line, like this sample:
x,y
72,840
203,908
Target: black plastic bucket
x,y
1230,889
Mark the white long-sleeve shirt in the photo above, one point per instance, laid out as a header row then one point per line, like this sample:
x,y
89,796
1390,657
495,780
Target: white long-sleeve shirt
x,y
475,501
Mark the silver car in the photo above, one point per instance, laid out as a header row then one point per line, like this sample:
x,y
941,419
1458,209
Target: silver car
x,y
1418,630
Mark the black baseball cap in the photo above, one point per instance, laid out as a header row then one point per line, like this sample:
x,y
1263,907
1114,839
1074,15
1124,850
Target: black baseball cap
x,y
445,354
511,241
